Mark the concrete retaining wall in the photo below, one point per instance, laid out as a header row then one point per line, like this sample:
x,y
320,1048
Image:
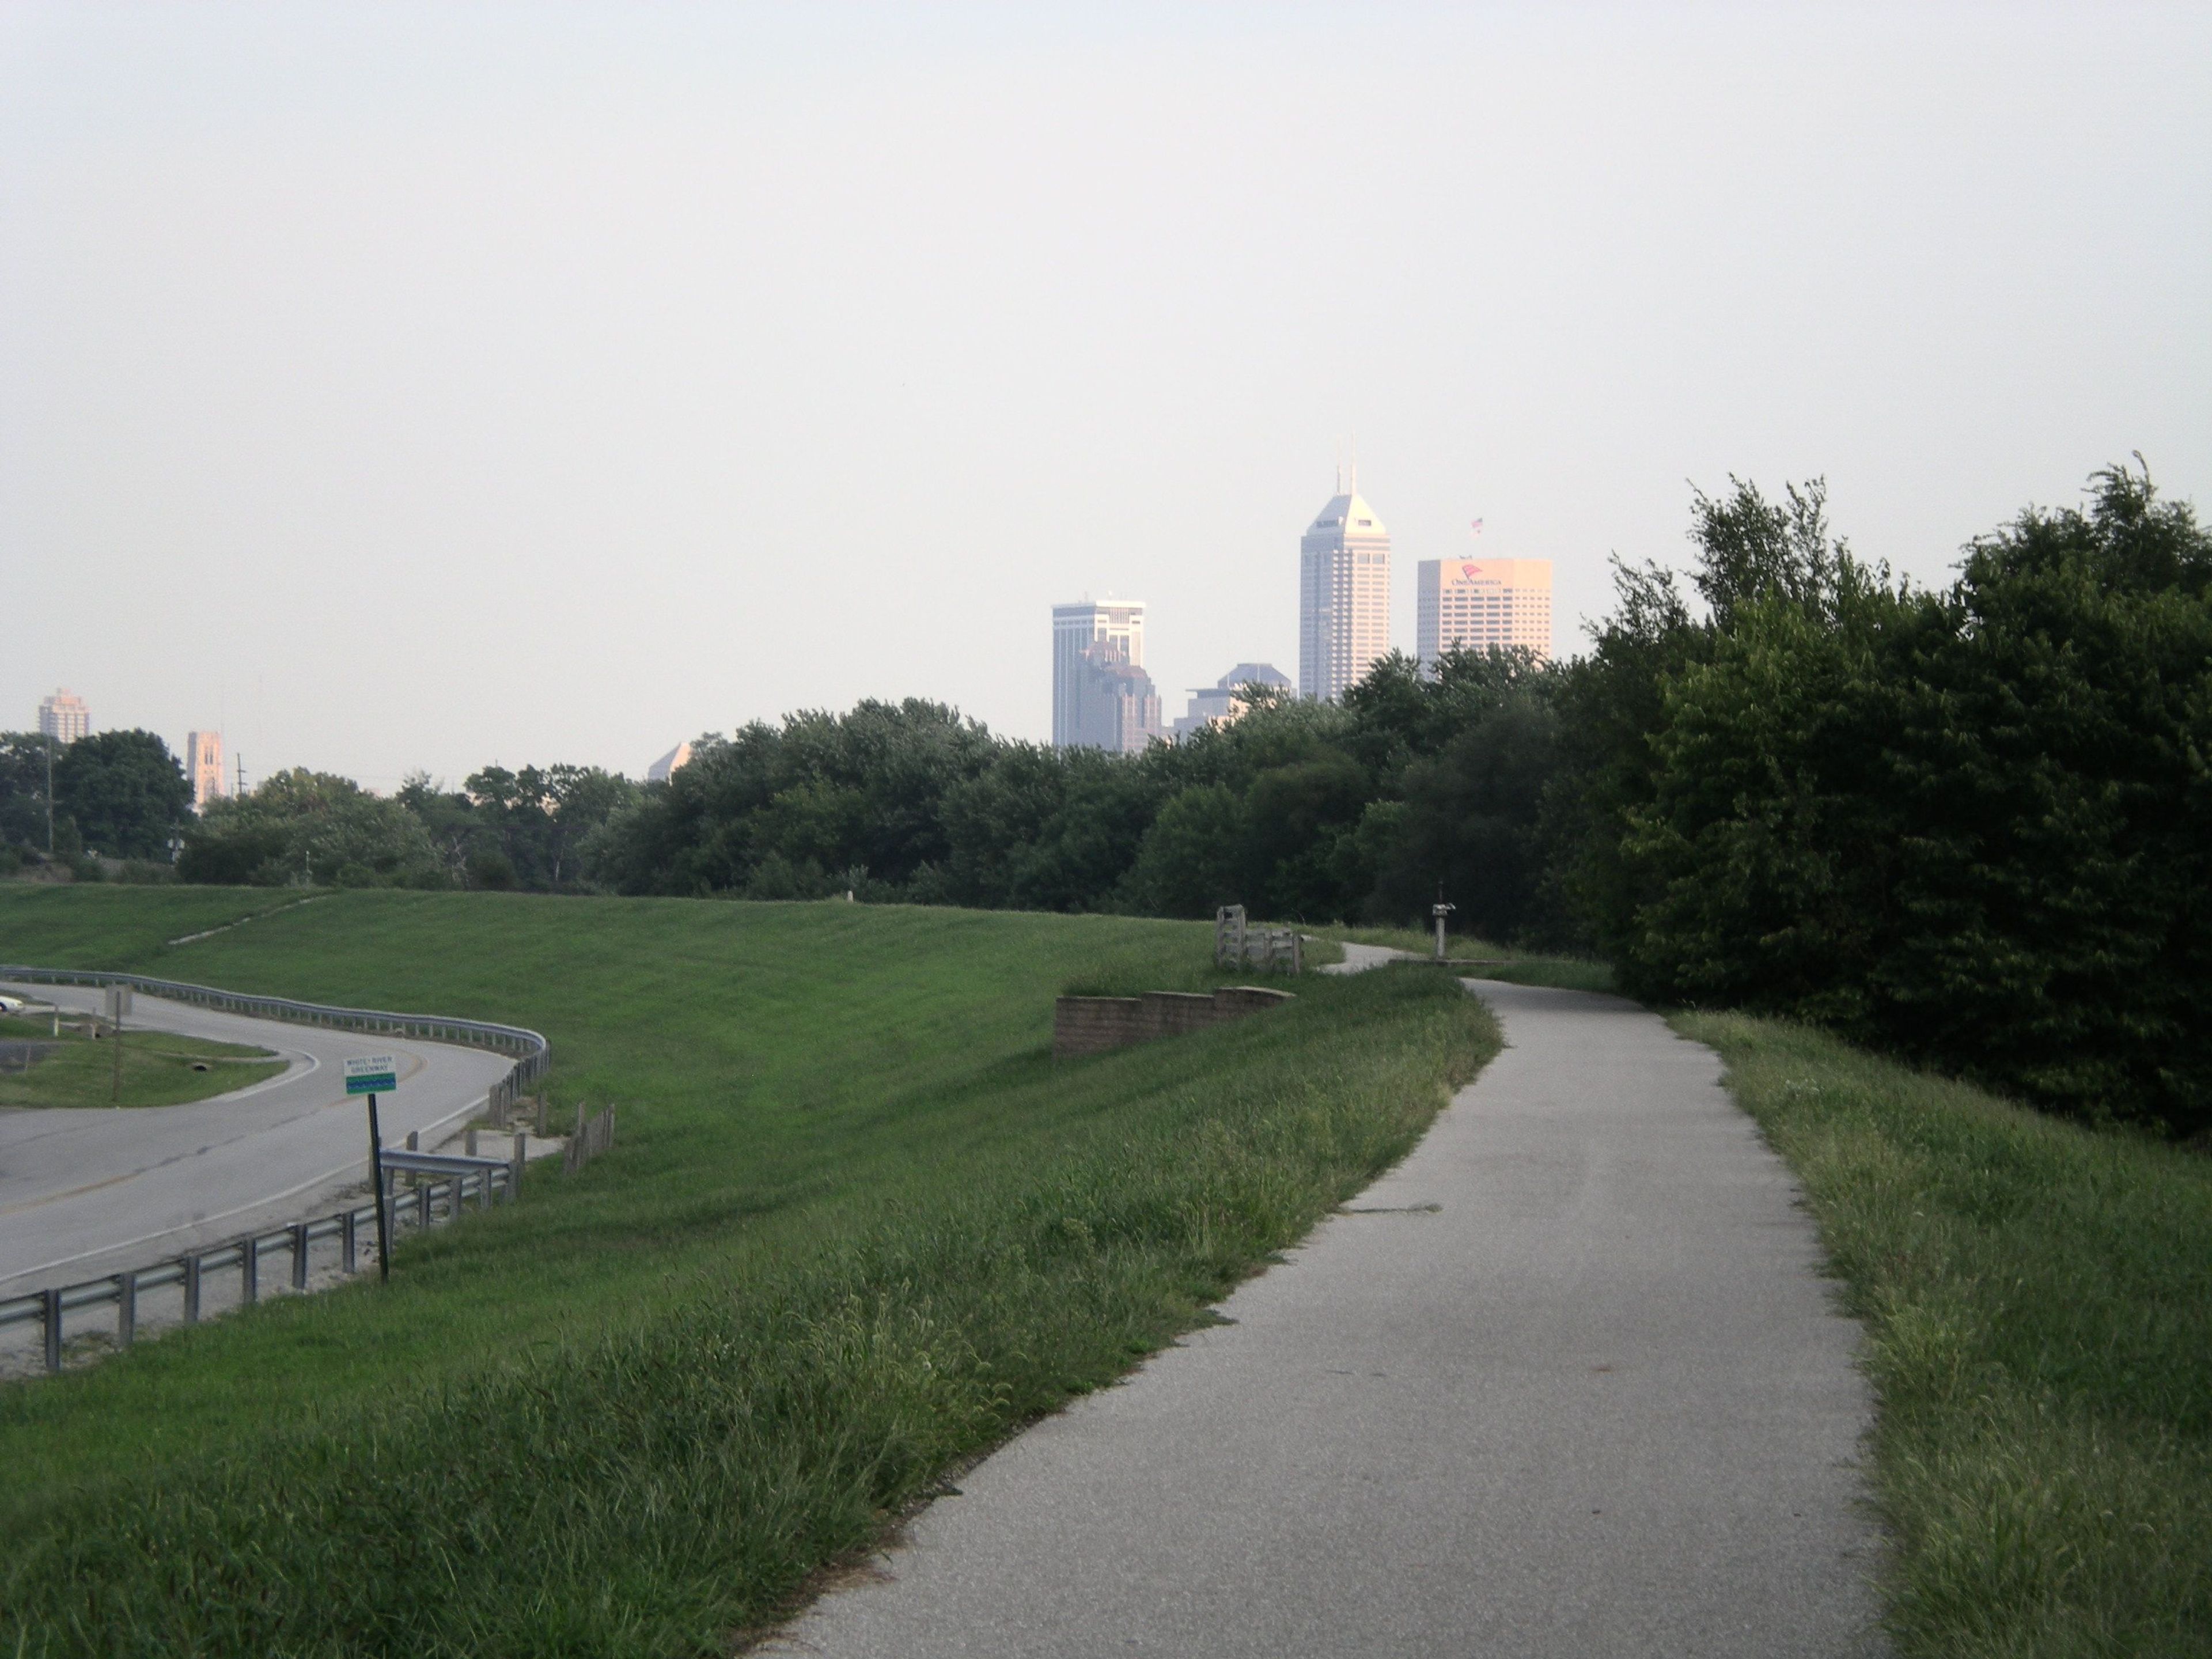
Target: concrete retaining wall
x,y
1092,1025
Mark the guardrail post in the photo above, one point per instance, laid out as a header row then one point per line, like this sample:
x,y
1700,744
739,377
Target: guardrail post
x,y
422,1203
126,1308
514,1168
299,1255
50,1324
190,1264
348,1243
249,1270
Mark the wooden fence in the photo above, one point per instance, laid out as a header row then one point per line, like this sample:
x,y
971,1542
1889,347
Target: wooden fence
x,y
594,1135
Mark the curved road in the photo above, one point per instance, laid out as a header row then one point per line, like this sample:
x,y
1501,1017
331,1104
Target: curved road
x,y
1566,1384
84,1192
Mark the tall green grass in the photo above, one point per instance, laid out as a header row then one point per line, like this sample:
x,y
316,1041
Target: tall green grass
x,y
859,1224
2037,1299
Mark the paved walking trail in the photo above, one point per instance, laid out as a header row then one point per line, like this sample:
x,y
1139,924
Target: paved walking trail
x,y
1564,1383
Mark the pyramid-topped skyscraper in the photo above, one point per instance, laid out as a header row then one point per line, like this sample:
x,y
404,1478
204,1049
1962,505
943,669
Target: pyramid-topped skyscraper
x,y
1343,594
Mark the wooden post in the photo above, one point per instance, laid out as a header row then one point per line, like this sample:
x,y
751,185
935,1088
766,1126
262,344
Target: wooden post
x,y
126,1308
299,1255
249,1270
347,1245
514,1168
191,1266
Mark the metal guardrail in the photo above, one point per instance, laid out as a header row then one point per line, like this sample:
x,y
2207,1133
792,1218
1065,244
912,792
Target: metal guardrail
x,y
533,1052
465,1177
483,1180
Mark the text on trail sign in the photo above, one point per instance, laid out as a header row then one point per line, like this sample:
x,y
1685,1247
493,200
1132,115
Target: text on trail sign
x,y
372,1074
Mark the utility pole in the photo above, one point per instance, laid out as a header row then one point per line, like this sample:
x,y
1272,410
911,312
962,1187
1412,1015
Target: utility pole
x,y
240,759
50,794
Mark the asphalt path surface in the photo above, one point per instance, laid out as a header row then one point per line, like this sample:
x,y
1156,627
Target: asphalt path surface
x,y
88,1191
1567,1382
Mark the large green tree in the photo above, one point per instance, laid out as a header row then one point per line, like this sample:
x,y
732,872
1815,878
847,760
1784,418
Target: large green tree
x,y
1973,825
311,829
25,757
125,791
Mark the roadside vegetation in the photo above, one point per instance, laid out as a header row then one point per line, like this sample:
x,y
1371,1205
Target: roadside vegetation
x,y
1510,963
2038,1304
158,1068
860,1226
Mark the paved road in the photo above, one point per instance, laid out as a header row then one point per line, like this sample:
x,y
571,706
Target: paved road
x,y
1566,1384
87,1191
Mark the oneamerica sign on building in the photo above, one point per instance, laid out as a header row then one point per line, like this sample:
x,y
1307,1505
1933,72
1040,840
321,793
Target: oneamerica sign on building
x,y
1480,602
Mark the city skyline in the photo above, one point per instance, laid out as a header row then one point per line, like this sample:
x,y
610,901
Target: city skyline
x,y
306,444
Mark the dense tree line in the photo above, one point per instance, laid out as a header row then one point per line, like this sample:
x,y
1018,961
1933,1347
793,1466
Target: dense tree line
x,y
1970,824
526,829
120,793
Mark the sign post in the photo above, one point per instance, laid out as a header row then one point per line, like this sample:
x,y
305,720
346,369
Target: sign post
x,y
119,1004
370,1075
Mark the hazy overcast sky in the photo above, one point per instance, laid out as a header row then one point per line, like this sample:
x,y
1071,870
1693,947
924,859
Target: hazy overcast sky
x,y
426,385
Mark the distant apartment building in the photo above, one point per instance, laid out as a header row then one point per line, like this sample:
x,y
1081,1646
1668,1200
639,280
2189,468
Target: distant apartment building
x,y
204,767
1344,594
1482,603
669,764
64,716
1102,698
1223,702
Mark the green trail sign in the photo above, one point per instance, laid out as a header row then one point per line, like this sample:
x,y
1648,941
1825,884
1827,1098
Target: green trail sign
x,y
372,1074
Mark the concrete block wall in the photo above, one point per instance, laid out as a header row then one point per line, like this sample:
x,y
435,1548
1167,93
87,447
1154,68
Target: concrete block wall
x,y
1092,1025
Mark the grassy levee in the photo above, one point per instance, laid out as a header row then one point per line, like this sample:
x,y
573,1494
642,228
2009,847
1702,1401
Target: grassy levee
x,y
2038,1300
119,928
859,1224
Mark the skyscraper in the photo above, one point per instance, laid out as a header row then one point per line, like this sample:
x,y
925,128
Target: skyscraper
x,y
204,767
1223,703
1482,602
64,716
669,764
1102,698
1344,594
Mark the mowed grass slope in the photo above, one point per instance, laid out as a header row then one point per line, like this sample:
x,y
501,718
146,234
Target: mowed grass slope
x,y
2038,1300
859,1224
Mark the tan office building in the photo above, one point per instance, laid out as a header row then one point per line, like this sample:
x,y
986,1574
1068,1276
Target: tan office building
x,y
1344,595
1482,603
204,767
64,717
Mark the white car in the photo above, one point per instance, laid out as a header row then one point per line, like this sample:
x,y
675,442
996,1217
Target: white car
x,y
11,1005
